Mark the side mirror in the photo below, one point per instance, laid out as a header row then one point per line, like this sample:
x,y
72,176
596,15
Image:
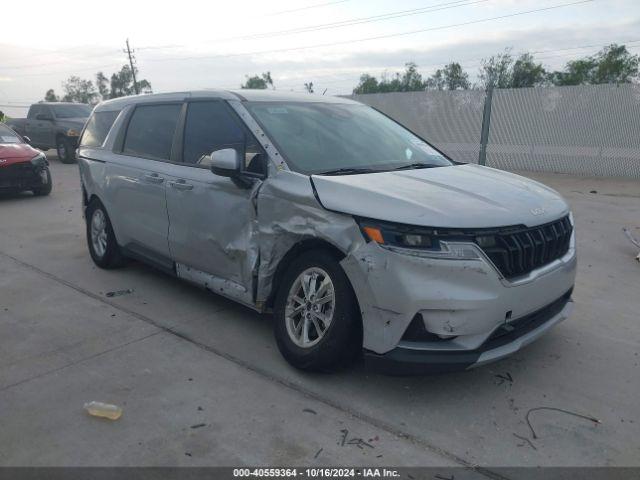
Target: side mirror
x,y
27,140
226,162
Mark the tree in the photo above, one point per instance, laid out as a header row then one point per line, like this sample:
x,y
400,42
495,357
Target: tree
x,y
496,71
368,84
411,80
451,77
84,91
309,87
121,84
576,72
256,82
51,96
79,90
612,64
616,65
408,81
526,73
102,83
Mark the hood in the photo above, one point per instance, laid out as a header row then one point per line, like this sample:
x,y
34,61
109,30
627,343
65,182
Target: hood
x,y
466,196
11,153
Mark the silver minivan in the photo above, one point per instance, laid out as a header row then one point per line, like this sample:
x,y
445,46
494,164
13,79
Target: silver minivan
x,y
355,233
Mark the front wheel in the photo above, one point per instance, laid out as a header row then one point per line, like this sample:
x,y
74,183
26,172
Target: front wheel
x,y
317,322
66,151
102,243
45,189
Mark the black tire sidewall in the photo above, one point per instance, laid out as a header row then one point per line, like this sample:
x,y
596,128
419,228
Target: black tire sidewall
x,y
341,343
45,189
112,257
68,156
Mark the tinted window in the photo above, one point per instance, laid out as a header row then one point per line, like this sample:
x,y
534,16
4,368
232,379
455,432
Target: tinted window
x,y
72,111
211,126
97,128
7,135
34,110
151,129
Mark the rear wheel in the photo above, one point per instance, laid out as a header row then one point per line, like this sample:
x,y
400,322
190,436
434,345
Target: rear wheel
x,y
45,189
66,151
102,243
317,322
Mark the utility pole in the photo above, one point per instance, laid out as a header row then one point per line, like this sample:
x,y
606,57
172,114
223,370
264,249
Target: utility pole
x,y
133,70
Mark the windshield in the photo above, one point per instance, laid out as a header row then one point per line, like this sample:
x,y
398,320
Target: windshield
x,y
8,136
71,111
341,138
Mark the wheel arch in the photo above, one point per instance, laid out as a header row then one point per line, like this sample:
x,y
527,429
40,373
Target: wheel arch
x,y
294,252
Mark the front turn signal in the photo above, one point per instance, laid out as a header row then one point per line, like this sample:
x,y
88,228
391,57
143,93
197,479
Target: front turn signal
x,y
374,234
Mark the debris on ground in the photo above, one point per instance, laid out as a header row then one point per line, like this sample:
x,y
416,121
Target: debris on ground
x,y
103,410
553,409
525,440
358,442
119,293
198,425
309,410
318,453
633,240
593,191
504,378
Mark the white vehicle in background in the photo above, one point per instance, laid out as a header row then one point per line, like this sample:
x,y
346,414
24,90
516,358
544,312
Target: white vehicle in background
x,y
353,231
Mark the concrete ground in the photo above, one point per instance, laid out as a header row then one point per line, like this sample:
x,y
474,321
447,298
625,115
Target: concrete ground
x,y
202,383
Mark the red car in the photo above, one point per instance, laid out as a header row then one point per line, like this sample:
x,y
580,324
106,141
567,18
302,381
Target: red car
x,y
22,167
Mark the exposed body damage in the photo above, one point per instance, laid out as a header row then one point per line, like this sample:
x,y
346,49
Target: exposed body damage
x,y
453,266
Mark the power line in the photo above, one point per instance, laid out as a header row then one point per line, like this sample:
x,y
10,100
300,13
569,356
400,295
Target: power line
x,y
377,37
360,20
412,32
466,63
32,65
65,72
309,7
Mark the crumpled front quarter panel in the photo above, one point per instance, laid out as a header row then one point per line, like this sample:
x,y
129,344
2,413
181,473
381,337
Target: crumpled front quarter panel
x,y
289,213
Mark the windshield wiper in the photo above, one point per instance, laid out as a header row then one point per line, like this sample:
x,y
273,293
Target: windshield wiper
x,y
412,166
348,171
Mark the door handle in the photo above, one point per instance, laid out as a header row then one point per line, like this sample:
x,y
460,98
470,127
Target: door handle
x,y
153,178
181,185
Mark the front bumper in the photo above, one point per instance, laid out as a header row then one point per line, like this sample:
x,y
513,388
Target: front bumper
x,y
22,176
460,304
404,360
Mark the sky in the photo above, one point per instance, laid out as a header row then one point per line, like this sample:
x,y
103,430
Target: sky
x,y
192,45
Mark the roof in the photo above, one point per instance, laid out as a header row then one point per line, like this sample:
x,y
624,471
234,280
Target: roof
x,y
243,95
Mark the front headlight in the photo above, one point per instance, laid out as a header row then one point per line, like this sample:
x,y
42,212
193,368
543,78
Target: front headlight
x,y
39,160
72,132
422,241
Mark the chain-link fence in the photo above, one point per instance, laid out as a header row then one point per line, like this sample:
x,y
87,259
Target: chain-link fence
x,y
589,130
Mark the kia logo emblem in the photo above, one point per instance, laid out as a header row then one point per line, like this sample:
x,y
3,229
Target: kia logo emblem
x,y
538,211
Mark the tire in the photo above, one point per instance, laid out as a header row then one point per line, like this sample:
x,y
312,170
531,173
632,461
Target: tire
x,y
341,341
66,152
46,188
105,251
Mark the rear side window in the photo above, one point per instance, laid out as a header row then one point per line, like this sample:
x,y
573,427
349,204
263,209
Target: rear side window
x,y
150,132
97,128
